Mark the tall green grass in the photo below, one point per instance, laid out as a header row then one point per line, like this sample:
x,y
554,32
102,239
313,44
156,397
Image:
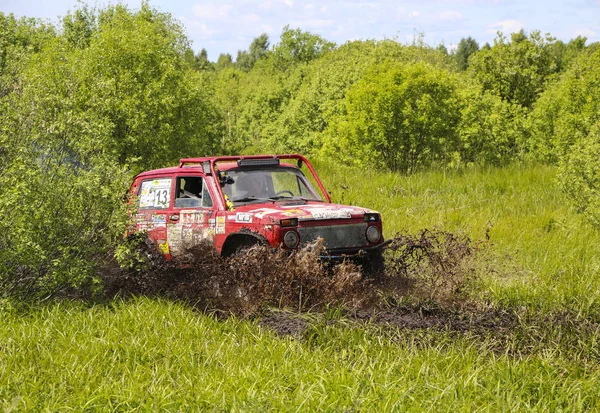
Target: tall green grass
x,y
547,256
153,355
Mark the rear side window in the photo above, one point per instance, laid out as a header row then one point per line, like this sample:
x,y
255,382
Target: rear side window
x,y
192,193
155,194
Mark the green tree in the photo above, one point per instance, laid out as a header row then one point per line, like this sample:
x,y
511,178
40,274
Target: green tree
x,y
565,113
491,130
317,91
83,121
466,48
259,49
78,27
298,47
201,61
516,70
579,174
224,61
400,116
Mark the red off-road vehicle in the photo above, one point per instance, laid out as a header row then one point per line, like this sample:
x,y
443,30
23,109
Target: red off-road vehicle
x,y
239,201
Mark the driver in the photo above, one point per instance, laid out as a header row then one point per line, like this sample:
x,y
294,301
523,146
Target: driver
x,y
250,186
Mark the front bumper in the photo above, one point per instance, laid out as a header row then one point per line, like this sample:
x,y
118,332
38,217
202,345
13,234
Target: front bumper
x,y
340,253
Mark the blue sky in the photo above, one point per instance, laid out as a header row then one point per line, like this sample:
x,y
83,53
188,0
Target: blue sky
x,y
228,26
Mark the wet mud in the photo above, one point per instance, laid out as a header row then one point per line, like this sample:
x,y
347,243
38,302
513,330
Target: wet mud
x,y
434,265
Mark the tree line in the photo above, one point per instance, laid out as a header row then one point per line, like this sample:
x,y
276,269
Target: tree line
x,y
109,92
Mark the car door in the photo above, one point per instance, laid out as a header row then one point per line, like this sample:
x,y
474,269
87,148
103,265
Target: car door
x,y
154,202
189,219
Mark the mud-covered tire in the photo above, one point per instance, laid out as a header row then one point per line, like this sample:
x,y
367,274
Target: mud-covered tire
x,y
240,246
373,264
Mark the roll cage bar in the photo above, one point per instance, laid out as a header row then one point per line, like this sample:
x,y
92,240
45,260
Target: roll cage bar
x,y
209,166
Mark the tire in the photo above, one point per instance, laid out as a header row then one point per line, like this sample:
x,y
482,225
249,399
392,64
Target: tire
x,y
240,246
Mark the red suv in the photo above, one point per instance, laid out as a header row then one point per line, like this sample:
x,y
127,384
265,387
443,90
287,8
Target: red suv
x,y
239,201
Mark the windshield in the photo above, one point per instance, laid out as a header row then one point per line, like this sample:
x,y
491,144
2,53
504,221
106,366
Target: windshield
x,y
246,185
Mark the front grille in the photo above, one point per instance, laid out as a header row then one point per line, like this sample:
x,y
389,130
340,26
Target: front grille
x,y
336,236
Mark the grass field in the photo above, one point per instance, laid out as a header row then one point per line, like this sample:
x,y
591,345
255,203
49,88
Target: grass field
x,y
155,355
549,253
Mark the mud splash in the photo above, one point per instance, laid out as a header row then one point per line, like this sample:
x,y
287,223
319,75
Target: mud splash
x,y
424,292
433,265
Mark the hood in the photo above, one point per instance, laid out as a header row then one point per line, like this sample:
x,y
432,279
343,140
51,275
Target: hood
x,y
310,211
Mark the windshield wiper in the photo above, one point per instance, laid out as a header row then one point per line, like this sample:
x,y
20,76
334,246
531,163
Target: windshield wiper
x,y
247,199
276,198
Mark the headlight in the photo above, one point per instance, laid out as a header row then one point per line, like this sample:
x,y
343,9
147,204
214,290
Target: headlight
x,y
373,234
291,239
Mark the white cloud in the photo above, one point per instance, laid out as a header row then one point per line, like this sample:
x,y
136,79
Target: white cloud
x,y
212,11
586,32
250,18
265,4
311,24
289,3
414,14
505,26
267,28
448,15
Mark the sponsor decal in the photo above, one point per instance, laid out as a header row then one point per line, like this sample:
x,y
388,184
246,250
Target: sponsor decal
x,y
193,217
243,217
295,213
182,236
261,212
141,217
159,218
220,229
326,213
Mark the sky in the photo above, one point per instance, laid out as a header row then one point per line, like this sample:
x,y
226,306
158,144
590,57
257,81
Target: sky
x,y
227,26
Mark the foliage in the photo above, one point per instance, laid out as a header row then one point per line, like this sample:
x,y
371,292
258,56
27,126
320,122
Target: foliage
x,y
318,92
224,61
491,130
19,39
516,70
259,48
466,48
580,174
298,47
567,110
565,54
201,61
402,117
85,116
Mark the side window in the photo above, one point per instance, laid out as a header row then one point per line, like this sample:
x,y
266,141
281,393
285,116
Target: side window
x,y
192,193
155,194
